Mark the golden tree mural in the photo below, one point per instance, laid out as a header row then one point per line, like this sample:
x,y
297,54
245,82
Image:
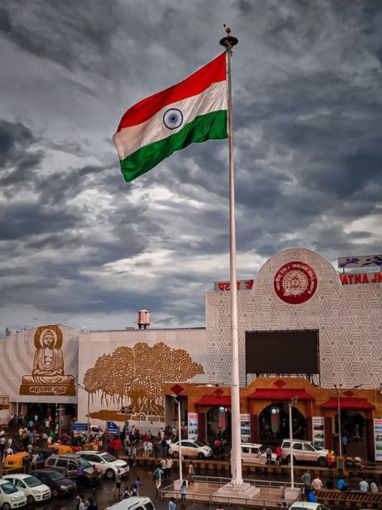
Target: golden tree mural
x,y
137,374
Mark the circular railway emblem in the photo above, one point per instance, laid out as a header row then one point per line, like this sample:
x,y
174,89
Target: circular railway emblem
x,y
173,118
295,282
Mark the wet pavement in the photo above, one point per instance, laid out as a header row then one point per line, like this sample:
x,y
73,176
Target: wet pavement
x,y
104,495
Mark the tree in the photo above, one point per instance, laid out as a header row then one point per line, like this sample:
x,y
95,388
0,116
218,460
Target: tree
x,y
138,374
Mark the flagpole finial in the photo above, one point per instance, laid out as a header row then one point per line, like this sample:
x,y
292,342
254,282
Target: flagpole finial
x,y
229,41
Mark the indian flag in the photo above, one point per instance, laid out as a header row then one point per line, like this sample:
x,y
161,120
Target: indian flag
x,y
193,111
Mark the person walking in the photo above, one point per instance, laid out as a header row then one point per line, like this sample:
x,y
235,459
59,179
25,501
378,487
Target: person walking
x,y
158,473
191,471
268,453
373,486
307,481
172,504
183,494
117,488
363,485
317,483
278,455
312,498
341,484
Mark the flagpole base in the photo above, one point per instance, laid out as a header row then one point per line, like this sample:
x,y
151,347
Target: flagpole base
x,y
237,492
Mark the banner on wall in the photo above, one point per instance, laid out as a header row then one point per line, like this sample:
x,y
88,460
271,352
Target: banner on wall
x,y
245,428
378,439
192,419
318,424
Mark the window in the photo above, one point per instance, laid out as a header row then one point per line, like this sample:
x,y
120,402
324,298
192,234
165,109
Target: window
x,y
297,446
50,462
245,450
72,465
19,483
61,463
286,444
309,448
149,506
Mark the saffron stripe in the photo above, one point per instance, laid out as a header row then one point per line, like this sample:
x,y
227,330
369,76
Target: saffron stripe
x,y
212,126
213,72
132,138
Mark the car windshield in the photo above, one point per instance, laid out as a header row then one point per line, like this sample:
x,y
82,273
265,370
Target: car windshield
x,y
32,481
198,443
108,458
55,475
8,488
85,463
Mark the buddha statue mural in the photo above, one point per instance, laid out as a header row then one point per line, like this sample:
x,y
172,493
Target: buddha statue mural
x,y
48,373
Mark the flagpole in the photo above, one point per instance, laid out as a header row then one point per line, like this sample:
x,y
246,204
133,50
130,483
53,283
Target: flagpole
x,y
236,469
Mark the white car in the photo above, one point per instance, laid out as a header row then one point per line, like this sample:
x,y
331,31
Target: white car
x,y
305,505
133,503
253,453
10,496
194,449
31,486
105,463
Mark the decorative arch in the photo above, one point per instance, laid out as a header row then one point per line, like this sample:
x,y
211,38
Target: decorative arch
x,y
274,423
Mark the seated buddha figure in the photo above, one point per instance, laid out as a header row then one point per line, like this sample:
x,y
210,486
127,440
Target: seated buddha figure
x,y
48,363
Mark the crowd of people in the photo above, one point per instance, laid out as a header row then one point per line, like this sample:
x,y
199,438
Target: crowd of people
x,y
312,487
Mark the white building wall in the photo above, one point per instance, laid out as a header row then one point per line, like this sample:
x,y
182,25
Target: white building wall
x,y
348,319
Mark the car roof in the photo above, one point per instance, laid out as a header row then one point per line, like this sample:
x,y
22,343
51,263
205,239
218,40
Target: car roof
x,y
251,445
299,441
20,476
70,456
89,452
129,503
44,470
304,504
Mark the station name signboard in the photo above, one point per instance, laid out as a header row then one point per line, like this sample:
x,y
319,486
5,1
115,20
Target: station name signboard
x,y
241,285
358,261
356,278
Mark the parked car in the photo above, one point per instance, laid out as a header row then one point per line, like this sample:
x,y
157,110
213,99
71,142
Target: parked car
x,y
59,485
68,465
305,505
31,486
194,449
252,453
303,451
105,463
10,496
133,503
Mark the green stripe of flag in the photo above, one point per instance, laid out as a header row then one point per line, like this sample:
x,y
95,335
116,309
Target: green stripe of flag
x,y
212,126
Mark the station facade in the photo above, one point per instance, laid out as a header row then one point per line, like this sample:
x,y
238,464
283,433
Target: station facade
x,y
305,331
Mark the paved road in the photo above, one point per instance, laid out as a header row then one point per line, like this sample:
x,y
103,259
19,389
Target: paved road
x,y
104,495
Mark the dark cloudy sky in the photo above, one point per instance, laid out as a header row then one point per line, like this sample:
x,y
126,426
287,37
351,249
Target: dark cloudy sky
x,y
81,247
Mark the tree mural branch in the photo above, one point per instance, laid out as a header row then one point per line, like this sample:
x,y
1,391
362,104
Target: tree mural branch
x,y
138,374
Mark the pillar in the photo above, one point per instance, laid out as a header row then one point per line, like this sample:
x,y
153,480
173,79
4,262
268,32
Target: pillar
x,y
254,429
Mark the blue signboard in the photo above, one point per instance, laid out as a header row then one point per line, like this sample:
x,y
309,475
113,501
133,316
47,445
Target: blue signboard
x,y
79,427
112,428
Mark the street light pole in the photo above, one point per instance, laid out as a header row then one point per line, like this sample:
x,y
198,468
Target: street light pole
x,y
337,387
291,404
180,442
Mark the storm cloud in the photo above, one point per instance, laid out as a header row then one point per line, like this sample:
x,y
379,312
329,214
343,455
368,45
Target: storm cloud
x,y
79,246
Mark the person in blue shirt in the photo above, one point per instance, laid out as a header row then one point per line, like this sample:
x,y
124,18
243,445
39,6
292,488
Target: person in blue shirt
x,y
341,484
312,498
172,504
